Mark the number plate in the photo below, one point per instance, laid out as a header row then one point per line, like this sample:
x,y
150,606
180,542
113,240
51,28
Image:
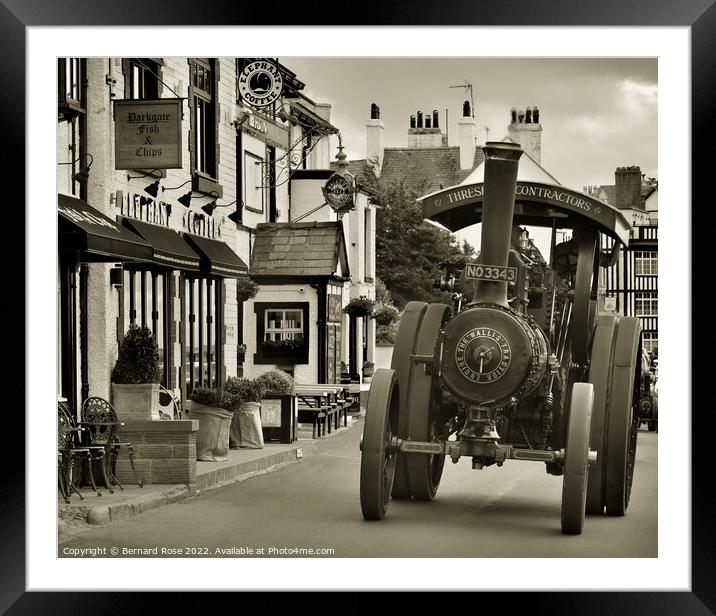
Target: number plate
x,y
490,272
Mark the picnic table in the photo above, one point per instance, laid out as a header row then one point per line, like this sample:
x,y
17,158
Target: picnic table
x,y
322,404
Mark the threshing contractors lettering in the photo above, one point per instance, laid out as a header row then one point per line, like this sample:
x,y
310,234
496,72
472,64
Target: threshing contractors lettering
x,y
526,191
148,134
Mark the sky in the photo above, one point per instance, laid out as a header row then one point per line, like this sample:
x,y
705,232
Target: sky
x,y
596,113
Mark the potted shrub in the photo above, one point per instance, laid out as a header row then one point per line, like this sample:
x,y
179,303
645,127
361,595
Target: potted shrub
x,y
368,369
245,396
241,353
135,376
211,406
360,307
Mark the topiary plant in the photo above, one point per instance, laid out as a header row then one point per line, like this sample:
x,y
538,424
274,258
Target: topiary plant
x,y
276,382
242,390
210,396
138,359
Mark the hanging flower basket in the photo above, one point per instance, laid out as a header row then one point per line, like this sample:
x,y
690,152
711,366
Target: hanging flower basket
x,y
360,307
246,289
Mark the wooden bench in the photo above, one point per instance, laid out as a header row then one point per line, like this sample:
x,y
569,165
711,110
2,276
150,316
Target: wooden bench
x,y
331,399
313,404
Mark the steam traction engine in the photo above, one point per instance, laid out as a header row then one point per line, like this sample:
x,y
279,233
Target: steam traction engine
x,y
523,367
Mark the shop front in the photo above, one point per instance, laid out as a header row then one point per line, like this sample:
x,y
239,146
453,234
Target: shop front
x,y
296,323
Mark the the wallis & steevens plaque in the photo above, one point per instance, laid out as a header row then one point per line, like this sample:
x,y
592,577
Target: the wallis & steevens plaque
x,y
148,134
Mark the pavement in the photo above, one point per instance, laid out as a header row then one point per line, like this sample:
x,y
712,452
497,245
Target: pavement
x,y
80,515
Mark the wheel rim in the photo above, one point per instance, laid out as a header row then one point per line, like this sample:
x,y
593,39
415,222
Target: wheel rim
x,y
599,374
378,459
424,400
574,486
622,417
405,342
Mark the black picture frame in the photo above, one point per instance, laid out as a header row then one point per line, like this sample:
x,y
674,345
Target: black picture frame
x,y
700,15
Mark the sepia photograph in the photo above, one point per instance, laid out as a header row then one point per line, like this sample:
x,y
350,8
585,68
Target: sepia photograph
x,y
357,307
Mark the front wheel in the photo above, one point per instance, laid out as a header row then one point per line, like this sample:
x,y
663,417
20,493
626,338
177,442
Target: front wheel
x,y
574,485
377,469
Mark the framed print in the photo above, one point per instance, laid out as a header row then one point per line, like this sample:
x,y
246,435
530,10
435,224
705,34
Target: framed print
x,y
349,100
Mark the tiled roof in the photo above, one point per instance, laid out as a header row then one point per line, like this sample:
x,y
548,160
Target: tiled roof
x,y
299,249
426,170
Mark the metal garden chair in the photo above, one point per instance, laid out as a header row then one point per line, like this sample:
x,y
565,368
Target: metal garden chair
x,y
100,420
71,455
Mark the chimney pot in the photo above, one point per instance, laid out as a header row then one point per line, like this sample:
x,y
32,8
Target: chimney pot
x,y
528,116
466,110
521,116
513,115
427,121
412,121
420,119
374,112
535,115
435,119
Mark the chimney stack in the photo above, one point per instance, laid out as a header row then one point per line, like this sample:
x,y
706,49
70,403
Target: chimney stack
x,y
424,131
374,138
627,187
467,132
525,129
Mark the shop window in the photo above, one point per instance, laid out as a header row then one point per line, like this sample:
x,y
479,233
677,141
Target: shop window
x,y
646,263
253,184
202,323
70,87
281,333
646,304
144,303
204,122
141,78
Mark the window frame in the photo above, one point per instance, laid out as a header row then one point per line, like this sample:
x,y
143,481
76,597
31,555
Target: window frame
x,y
69,106
259,162
640,298
644,257
266,356
205,179
128,64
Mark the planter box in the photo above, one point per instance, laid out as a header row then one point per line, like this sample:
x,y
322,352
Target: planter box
x,y
136,402
212,439
279,416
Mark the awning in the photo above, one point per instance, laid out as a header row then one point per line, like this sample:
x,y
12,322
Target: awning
x,y
168,247
217,258
96,236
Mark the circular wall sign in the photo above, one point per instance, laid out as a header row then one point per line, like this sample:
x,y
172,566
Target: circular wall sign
x,y
338,192
260,83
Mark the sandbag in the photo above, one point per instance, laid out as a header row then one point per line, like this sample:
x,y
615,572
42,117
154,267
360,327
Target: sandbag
x,y
246,432
212,440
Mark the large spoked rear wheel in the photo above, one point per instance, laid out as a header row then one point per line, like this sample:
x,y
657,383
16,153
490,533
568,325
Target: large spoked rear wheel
x,y
377,469
424,406
574,486
600,371
405,344
623,416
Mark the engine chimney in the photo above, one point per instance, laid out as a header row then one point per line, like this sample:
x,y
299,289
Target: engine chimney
x,y
498,208
374,138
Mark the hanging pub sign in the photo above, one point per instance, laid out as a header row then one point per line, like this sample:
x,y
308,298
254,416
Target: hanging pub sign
x,y
338,192
260,83
147,134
